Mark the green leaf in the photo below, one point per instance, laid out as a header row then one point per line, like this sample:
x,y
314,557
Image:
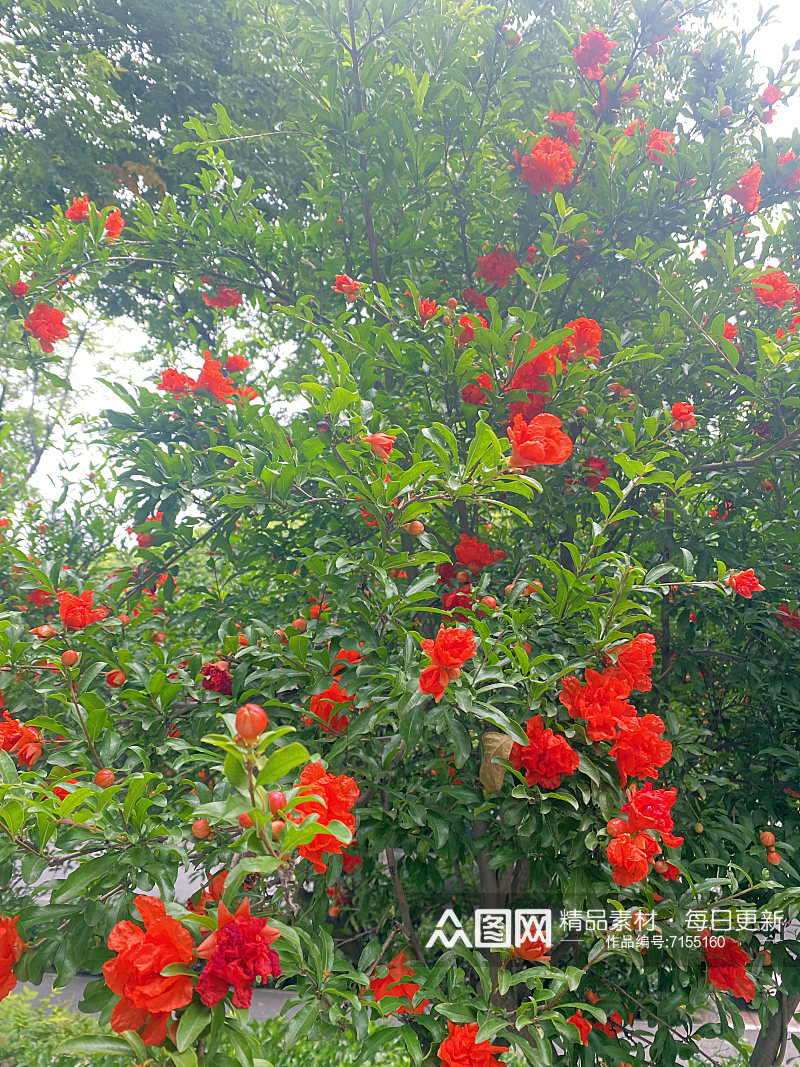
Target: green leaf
x,y
192,1023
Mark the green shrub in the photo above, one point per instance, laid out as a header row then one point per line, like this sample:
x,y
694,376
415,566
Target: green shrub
x,y
31,1030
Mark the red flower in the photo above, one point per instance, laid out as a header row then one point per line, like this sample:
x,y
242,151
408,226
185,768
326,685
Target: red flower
x,y
212,380
20,289
474,298
628,856
347,286
451,648
60,792
426,309
40,598
583,344
532,949
683,416
498,267
114,224
791,179
236,363
770,95
392,985
547,166
746,189
772,289
238,952
448,653
639,749
745,583
660,144
381,444
650,809
47,326
459,1048
76,611
338,794
433,681
594,48
224,298
730,331
147,996
471,394
583,1025
613,1026
21,739
601,701
172,381
529,374
546,758
671,874
216,887
726,965
634,127
602,469
468,327
216,679
11,948
78,211
564,126
322,709
342,658
475,554
790,619
540,441
635,662
350,862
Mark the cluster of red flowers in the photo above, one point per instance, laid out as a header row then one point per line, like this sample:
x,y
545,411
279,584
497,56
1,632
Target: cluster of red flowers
x,y
593,50
773,289
210,380
331,799
546,758
632,847
237,953
745,191
46,324
394,984
460,1048
79,211
534,375
498,267
767,97
602,701
448,654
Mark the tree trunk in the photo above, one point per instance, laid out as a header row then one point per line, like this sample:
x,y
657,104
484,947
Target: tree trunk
x,y
770,1047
